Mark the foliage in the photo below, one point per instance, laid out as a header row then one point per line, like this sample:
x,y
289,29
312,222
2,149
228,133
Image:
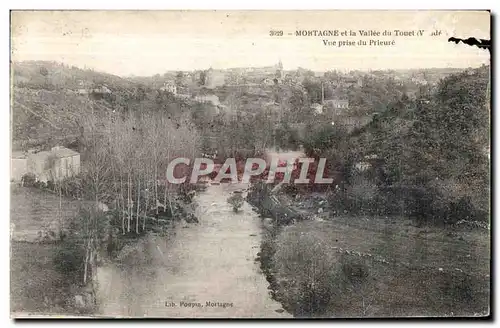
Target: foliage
x,y
236,200
312,267
432,164
314,280
28,179
287,137
69,258
322,138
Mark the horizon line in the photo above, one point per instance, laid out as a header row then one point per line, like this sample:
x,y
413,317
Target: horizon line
x,y
342,70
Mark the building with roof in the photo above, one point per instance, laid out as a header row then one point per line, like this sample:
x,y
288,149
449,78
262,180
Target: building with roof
x,y
268,81
318,108
83,87
214,78
53,165
207,98
169,87
101,89
336,106
352,81
66,162
18,165
337,103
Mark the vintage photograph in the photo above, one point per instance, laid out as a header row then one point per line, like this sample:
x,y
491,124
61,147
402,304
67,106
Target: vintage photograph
x,y
250,164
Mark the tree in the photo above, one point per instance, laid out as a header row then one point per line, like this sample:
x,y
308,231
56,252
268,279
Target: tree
x,y
440,156
313,89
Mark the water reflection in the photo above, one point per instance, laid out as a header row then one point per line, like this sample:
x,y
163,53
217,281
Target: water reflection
x,y
213,261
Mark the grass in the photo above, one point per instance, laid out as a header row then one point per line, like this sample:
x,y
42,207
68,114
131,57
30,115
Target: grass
x,y
35,211
35,285
376,267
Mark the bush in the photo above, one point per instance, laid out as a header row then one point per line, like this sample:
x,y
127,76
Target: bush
x,y
69,259
305,272
354,270
71,187
236,200
359,198
441,203
28,180
315,278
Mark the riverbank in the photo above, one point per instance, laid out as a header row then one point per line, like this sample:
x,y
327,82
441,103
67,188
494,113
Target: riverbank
x,y
204,270
48,250
353,266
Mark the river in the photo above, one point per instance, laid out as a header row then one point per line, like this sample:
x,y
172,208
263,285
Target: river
x,y
213,261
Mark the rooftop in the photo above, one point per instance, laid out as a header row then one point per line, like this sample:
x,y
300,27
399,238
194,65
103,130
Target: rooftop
x,y
59,152
63,152
19,155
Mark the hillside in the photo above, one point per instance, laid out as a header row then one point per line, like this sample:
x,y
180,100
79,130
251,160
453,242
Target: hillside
x,y
48,107
52,75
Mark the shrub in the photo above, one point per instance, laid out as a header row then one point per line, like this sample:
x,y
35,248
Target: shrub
x,y
69,258
315,278
28,180
236,200
354,270
305,272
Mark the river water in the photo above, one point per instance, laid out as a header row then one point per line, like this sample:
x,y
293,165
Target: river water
x,y
213,261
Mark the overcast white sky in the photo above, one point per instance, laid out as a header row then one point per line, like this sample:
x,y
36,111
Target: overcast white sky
x,y
151,42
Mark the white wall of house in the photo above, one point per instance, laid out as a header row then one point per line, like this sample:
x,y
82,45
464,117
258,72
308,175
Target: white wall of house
x,y
19,167
46,165
39,165
66,167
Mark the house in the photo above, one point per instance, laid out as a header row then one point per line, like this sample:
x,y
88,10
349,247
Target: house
x,y
169,87
210,99
336,103
276,70
352,81
215,106
66,163
183,96
214,78
362,166
268,81
18,165
83,87
318,108
419,80
39,164
102,89
353,122
56,164
183,93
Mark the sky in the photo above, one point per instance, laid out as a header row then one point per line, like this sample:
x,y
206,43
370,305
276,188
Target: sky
x,y
145,43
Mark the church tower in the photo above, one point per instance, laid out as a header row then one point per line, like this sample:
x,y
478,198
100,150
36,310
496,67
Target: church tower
x,y
279,70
